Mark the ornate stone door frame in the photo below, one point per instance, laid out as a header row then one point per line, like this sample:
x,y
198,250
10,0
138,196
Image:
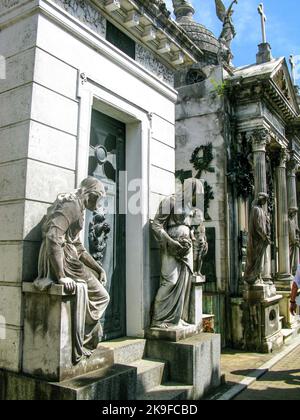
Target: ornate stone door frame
x,y
138,130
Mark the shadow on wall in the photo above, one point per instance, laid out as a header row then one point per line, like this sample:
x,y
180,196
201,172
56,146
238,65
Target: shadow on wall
x,y
31,249
155,268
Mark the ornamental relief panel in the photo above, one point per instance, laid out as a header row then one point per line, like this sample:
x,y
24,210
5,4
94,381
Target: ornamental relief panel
x,y
151,63
8,4
85,13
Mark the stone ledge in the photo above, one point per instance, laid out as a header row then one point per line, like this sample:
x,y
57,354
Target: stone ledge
x,y
174,334
54,289
113,383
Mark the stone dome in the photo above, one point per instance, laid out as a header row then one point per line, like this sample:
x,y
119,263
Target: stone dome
x,y
200,35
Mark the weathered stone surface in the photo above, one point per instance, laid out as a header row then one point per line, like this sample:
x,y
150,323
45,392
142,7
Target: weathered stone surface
x,y
15,105
19,70
48,317
193,361
14,142
9,188
51,146
126,350
11,216
10,347
65,81
11,305
40,189
54,110
113,383
171,334
19,37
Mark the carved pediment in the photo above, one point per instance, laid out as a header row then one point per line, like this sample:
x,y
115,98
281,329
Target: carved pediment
x,y
281,81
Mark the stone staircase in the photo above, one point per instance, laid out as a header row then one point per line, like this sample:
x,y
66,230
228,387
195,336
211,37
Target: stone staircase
x,y
152,381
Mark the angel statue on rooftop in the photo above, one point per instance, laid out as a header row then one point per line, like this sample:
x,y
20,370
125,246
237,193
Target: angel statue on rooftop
x,y
228,32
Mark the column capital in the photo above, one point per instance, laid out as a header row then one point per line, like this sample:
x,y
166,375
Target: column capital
x,y
259,138
282,158
292,167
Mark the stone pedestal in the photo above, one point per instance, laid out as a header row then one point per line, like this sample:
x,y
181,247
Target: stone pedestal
x,y
171,334
194,361
47,350
261,318
264,54
289,321
195,315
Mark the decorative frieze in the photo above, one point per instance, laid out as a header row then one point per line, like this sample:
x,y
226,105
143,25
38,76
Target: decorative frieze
x,y
8,4
148,60
85,13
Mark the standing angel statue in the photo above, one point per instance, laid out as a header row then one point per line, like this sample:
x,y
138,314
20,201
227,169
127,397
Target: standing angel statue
x,y
228,31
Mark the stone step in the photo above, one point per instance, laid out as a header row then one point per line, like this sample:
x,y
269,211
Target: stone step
x,y
168,391
126,349
117,382
150,374
288,335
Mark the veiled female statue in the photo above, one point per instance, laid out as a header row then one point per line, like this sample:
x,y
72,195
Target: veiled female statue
x,y
258,240
173,227
294,239
64,260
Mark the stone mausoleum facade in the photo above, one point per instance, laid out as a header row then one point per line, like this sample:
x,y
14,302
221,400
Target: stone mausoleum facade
x,y
119,90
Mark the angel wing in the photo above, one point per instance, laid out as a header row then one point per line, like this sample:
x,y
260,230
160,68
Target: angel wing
x,y
221,10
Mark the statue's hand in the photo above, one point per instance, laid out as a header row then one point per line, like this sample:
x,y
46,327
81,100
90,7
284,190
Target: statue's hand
x,y
69,284
102,277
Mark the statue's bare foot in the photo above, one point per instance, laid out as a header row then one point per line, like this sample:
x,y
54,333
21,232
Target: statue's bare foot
x,y
163,325
182,323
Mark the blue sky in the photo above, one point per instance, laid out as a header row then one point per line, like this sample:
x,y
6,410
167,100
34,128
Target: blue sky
x,y
283,29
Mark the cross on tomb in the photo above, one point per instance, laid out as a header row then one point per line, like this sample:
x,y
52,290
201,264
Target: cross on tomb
x,y
263,22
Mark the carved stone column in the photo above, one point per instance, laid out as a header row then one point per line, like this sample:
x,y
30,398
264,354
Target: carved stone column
x,y
260,138
284,272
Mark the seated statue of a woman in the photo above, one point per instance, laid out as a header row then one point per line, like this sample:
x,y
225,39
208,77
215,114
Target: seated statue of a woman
x,y
64,260
173,228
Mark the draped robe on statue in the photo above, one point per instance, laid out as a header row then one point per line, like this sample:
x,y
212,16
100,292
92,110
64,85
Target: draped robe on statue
x,y
259,230
173,298
61,229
